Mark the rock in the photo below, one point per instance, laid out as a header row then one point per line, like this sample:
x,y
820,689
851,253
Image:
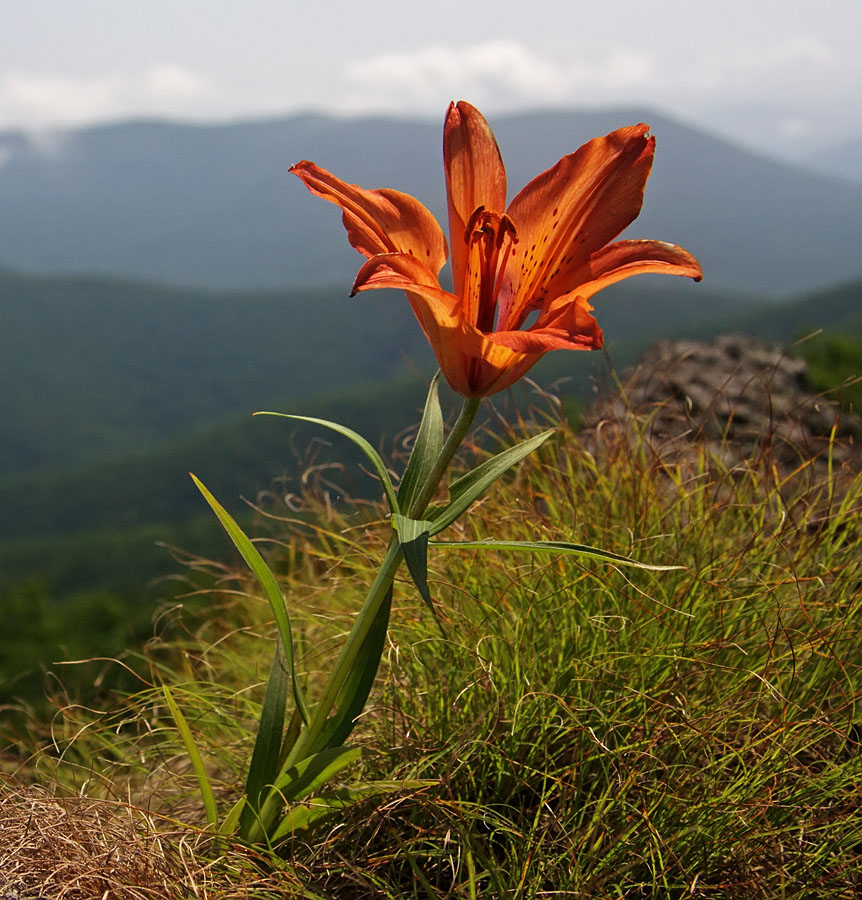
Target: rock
x,y
737,395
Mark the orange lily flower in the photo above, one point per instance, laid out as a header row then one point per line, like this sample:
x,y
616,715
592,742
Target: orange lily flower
x,y
544,256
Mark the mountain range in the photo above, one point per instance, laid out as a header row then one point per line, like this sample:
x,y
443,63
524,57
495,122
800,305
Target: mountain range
x,y
214,206
116,389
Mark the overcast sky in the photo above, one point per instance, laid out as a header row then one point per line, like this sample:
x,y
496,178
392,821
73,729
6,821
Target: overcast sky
x,y
785,75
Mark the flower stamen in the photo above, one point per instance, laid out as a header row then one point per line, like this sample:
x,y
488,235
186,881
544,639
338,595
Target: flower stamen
x,y
493,236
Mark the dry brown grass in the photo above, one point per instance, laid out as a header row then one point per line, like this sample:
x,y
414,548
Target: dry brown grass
x,y
73,848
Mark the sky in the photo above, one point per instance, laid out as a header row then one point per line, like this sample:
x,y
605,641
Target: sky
x,y
784,77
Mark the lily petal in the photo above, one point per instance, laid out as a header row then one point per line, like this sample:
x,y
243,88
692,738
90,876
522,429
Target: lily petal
x,y
566,325
475,177
626,258
379,221
438,312
569,212
496,368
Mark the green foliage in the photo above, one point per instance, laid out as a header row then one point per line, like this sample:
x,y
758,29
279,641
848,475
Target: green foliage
x,y
835,365
588,729
39,632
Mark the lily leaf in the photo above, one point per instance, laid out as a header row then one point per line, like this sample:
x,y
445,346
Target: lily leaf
x,y
231,820
270,587
413,537
357,686
373,456
468,488
267,746
426,448
300,780
304,815
311,773
561,547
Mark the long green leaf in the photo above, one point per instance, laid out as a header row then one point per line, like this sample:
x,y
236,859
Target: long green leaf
x,y
231,820
270,587
350,701
306,814
426,448
312,773
562,547
373,456
468,488
204,785
413,535
298,781
263,767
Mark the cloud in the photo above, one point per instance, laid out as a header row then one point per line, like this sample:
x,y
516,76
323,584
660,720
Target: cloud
x,y
47,98
167,81
505,74
500,72
36,99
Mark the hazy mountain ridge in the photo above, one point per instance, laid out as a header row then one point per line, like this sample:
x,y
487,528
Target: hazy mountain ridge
x,y
214,205
146,483
841,160
101,367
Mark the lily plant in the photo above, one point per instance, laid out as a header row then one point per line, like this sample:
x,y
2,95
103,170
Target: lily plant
x,y
539,260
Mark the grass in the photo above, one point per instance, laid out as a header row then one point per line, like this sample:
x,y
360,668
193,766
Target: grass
x,y
584,731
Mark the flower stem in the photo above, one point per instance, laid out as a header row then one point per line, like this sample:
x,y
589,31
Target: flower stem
x,y
450,448
379,587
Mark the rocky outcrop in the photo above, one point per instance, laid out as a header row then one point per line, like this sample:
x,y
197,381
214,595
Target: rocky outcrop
x,y
738,395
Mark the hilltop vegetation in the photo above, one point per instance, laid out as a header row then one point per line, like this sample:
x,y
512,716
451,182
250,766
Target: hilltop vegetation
x,y
95,367
579,729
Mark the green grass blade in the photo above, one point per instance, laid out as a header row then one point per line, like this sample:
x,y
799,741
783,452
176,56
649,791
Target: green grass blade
x,y
204,785
468,488
413,535
426,448
560,547
373,456
270,587
264,764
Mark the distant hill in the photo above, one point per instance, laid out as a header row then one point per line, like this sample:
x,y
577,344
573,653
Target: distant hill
x,y
67,522
835,311
214,205
96,368
843,160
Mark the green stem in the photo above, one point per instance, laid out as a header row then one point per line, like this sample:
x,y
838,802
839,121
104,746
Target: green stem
x,y
383,581
447,454
376,593
381,584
